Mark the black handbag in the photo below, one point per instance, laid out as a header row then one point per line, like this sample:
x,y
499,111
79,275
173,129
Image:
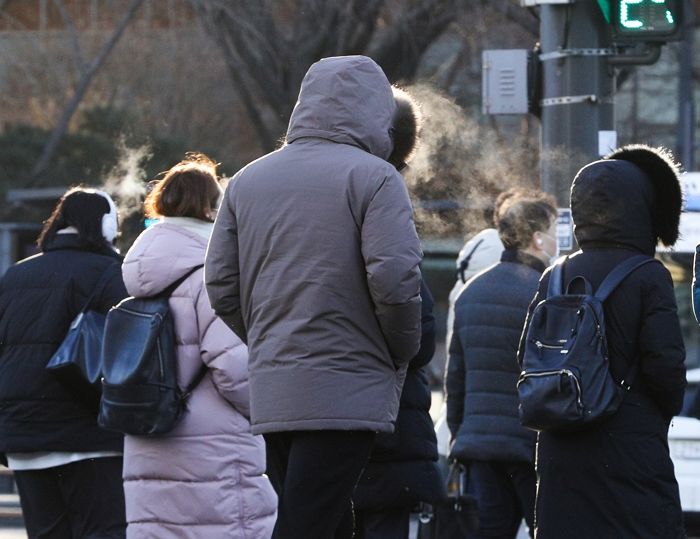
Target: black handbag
x,y
140,393
77,362
457,515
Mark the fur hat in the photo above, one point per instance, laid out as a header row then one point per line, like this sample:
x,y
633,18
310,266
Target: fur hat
x,y
405,127
659,166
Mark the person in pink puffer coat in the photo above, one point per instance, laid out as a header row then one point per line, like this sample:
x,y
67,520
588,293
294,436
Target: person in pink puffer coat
x,y
205,478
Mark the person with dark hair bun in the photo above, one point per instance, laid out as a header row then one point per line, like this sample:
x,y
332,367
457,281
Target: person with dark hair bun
x,y
402,469
67,469
482,371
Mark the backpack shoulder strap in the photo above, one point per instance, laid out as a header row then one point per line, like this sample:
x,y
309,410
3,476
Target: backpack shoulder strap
x,y
619,273
168,291
464,265
556,278
100,286
195,381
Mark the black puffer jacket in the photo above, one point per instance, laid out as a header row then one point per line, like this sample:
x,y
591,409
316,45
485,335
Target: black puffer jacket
x,y
402,469
616,479
39,297
482,371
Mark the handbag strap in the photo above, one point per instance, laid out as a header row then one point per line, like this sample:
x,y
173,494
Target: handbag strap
x,y
99,287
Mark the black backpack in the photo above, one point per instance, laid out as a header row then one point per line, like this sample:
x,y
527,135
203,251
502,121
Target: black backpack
x,y
140,394
565,382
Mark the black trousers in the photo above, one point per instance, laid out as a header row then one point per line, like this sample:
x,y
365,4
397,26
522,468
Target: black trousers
x,y
505,494
80,500
392,523
314,474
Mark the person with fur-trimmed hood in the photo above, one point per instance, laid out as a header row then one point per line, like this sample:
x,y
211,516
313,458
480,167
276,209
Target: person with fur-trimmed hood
x,y
402,468
616,478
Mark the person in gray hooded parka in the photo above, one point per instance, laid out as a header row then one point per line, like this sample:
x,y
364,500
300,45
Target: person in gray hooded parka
x,y
314,263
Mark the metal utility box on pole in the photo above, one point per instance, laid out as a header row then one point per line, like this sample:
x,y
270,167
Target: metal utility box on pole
x,y
578,88
570,77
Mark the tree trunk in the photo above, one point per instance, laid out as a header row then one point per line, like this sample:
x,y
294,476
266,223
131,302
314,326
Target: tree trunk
x,y
85,79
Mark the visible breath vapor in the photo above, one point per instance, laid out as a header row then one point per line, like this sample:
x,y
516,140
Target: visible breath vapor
x,y
461,162
126,182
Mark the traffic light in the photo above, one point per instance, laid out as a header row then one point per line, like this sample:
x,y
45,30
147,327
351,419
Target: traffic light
x,y
636,21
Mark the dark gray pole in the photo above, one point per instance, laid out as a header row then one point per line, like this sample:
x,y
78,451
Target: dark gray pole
x,y
686,103
578,91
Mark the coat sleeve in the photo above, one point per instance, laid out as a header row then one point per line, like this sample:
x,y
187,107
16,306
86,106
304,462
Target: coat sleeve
x,y
696,285
455,380
225,355
427,335
113,290
392,252
662,353
221,269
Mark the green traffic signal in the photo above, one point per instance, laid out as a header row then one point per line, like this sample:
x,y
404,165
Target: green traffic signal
x,y
646,20
645,16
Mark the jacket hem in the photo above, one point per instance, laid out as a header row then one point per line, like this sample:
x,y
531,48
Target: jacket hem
x,y
321,424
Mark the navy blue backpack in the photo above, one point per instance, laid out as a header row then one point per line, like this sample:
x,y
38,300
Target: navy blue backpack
x,y
565,383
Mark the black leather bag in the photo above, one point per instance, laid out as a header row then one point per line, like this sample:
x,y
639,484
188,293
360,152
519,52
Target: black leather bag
x,y
565,383
140,394
457,515
77,361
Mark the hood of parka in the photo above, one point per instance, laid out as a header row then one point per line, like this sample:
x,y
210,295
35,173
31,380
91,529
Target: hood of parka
x,y
632,198
345,99
612,204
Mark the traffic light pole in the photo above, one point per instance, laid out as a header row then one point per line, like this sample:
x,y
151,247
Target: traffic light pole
x,y
686,102
578,88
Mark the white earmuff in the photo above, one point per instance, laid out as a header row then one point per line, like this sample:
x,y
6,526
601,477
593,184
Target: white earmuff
x,y
110,221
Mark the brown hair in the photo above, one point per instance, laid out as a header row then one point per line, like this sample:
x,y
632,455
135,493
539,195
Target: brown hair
x,y
189,189
519,214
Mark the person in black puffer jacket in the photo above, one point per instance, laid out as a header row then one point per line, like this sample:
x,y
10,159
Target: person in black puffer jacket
x,y
402,469
615,479
67,470
482,369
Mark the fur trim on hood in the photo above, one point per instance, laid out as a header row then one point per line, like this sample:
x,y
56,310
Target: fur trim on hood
x,y
659,166
405,127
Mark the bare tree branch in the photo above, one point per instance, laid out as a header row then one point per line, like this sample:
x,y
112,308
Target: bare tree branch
x,y
85,80
413,33
514,13
360,22
78,58
269,44
233,65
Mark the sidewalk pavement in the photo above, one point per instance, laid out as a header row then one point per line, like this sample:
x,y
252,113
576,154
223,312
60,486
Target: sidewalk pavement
x,y
13,533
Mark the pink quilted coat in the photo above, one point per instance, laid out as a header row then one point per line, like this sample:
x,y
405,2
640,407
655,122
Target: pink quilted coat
x,y
205,478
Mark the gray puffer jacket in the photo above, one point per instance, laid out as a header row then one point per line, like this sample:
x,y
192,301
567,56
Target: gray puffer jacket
x,y
314,261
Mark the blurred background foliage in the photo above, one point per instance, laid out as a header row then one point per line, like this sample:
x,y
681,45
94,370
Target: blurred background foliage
x,y
87,84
